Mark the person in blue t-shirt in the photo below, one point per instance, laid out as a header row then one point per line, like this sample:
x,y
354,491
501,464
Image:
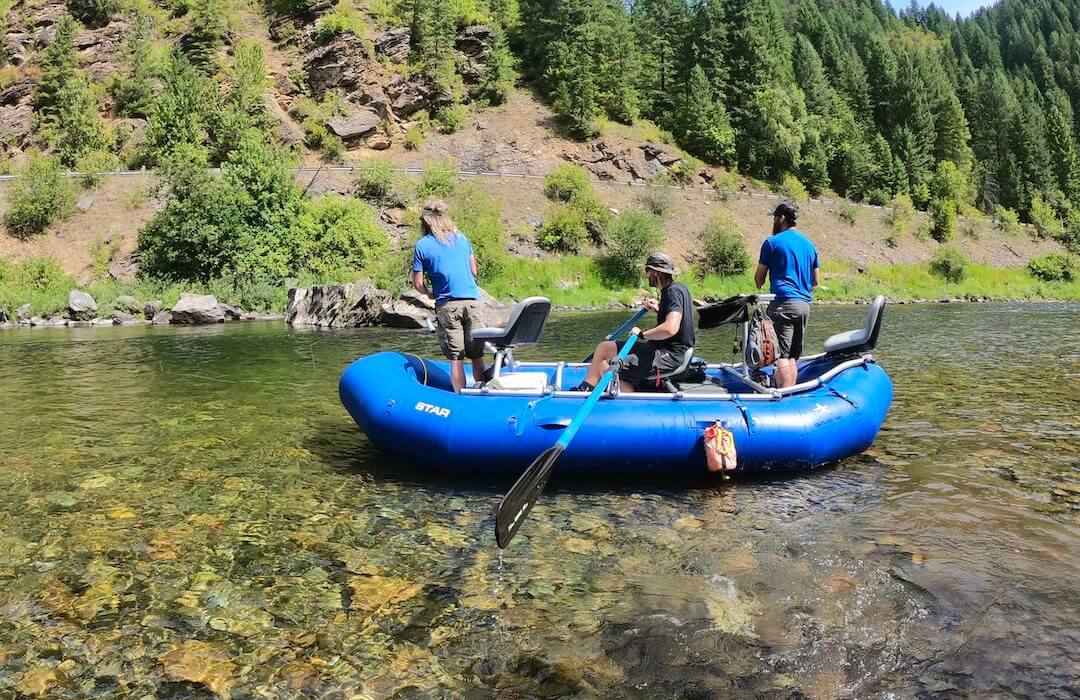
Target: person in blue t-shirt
x,y
445,255
791,262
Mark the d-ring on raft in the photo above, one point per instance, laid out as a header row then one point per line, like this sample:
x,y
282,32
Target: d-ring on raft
x,y
406,406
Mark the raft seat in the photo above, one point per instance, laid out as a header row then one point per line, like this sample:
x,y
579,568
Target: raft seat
x,y
526,323
863,339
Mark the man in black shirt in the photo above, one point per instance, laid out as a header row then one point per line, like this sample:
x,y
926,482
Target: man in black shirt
x,y
657,350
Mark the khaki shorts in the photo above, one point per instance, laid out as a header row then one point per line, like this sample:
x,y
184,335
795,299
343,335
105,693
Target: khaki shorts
x,y
789,320
457,318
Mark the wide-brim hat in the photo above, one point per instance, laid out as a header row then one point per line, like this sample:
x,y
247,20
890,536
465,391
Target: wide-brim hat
x,y
661,262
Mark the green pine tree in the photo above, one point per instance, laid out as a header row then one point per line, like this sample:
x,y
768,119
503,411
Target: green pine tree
x,y
58,69
78,127
704,124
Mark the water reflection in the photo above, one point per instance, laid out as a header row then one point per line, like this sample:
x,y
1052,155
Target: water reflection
x,y
190,511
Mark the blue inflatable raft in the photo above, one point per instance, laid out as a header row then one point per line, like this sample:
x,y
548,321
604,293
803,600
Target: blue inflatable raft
x,y
406,406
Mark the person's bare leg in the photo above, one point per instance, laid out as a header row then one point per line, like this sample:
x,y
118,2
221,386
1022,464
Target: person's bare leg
x,y
479,371
626,387
604,351
786,373
457,375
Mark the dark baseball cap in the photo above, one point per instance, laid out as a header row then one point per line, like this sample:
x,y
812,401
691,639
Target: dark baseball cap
x,y
786,210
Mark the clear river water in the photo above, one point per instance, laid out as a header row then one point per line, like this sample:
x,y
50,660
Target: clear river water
x,y
190,512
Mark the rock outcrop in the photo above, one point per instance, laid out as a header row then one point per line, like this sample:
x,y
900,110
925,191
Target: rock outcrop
x,y
410,310
197,308
641,162
336,305
3,316
81,306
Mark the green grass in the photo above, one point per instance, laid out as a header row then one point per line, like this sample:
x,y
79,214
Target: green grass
x,y
569,281
525,277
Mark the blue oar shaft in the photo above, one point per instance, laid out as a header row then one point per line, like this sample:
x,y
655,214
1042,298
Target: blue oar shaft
x,y
587,406
626,326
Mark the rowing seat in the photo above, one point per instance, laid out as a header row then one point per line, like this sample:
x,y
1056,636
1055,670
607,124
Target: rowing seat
x,y
671,379
863,339
524,327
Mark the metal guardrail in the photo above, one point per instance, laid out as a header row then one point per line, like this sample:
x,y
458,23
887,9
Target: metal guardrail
x,y
409,170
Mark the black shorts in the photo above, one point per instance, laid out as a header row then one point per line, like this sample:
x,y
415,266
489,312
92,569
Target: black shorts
x,y
789,320
646,362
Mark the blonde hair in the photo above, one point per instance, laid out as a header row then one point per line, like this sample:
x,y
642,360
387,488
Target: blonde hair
x,y
435,221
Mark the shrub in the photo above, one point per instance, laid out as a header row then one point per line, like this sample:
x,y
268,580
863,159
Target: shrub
x,y
241,225
1045,219
950,264
94,13
924,231
878,197
1054,267
337,234
93,164
375,178
451,118
102,253
479,217
1008,221
568,183
723,248
793,190
37,281
342,19
686,170
563,230
439,180
657,200
632,236
39,195
414,138
901,213
943,212
849,213
949,182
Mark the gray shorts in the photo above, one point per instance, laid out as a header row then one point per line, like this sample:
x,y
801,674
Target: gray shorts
x,y
789,319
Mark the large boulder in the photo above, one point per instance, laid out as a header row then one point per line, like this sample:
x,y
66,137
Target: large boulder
x,y
336,305
410,310
161,318
198,308
81,306
356,125
24,312
127,304
3,316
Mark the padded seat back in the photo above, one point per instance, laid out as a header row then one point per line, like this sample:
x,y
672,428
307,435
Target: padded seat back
x,y
524,326
863,339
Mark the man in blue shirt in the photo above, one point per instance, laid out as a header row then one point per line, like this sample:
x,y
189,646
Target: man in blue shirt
x,y
791,262
445,255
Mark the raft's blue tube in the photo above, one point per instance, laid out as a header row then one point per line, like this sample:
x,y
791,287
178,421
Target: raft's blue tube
x,y
432,426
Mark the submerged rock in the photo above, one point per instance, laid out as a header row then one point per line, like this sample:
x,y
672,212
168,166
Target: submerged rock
x,y
198,308
199,662
81,306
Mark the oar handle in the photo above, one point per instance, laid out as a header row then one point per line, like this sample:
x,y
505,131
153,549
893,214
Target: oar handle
x,y
586,407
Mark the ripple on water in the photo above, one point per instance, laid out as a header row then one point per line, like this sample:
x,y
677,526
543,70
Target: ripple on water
x,y
190,510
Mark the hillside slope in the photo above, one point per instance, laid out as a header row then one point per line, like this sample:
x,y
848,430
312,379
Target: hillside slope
x,y
343,87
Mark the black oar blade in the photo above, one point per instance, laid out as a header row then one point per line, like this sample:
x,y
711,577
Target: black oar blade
x,y
520,499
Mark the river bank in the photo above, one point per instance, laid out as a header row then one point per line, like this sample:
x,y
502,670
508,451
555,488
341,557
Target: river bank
x,y
36,290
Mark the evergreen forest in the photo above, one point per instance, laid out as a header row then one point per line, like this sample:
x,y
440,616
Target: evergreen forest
x,y
847,95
